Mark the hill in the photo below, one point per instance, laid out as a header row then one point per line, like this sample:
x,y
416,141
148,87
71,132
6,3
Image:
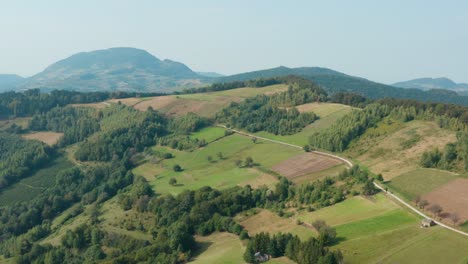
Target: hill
x,y
9,81
333,81
114,69
211,74
434,83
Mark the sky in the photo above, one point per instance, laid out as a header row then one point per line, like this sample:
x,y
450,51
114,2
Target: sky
x,y
384,41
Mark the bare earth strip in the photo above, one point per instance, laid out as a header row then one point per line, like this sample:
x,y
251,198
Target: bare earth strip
x,y
50,138
304,164
452,197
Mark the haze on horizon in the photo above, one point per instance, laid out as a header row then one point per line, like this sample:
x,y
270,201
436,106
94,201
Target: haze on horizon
x,y
385,42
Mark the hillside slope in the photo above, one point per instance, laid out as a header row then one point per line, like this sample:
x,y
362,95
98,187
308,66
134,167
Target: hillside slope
x,y
333,81
114,69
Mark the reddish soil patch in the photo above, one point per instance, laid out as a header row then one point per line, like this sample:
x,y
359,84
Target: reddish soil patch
x,y
452,197
304,164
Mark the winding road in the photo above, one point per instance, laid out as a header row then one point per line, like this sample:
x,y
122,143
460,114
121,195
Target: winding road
x,y
350,164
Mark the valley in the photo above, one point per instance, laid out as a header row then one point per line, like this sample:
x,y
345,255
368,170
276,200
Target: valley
x,y
181,154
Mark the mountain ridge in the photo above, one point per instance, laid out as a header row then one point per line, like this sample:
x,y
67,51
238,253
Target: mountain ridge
x,y
428,83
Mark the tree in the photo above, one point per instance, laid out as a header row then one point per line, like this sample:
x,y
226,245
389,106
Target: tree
x,y
423,203
306,148
455,218
172,181
435,209
249,162
177,168
417,199
209,158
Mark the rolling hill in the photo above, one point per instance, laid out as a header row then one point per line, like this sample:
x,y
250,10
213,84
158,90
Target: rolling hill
x,y
333,81
9,81
114,69
434,83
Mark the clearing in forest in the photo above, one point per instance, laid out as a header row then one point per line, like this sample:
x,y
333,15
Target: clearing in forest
x,y
50,138
393,148
218,248
203,104
304,164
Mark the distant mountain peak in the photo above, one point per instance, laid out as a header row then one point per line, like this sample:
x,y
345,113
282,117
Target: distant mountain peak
x,y
120,68
434,83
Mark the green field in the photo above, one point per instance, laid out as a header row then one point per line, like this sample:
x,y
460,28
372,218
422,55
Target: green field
x,y
219,173
420,182
375,230
329,115
29,187
219,248
351,210
209,134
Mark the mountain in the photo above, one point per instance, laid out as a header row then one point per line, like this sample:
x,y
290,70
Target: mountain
x,y
211,74
434,83
115,69
333,82
10,81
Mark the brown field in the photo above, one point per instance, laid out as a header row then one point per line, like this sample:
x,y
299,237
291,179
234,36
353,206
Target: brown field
x,y
127,101
266,221
50,138
91,105
304,164
264,179
452,197
176,106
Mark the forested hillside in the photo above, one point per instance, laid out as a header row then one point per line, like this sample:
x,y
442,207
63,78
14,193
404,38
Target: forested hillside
x,y
334,82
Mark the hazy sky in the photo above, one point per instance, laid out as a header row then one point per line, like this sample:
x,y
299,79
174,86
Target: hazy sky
x,y
385,41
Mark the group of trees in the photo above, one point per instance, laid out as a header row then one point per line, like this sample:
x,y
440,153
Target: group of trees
x,y
20,157
454,155
340,134
30,102
76,123
308,252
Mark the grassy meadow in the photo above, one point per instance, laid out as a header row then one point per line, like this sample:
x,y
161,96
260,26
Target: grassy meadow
x,y
220,173
420,182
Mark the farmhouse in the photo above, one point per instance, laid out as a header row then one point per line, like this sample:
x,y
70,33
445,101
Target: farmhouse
x,y
427,222
260,257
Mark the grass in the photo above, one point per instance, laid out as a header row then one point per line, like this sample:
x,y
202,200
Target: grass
x,y
330,172
393,148
19,121
27,188
219,173
209,134
219,248
420,182
267,221
351,210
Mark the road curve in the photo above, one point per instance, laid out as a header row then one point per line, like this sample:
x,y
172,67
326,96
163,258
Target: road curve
x,y
350,164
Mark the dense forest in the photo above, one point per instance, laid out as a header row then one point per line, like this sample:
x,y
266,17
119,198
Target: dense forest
x,y
19,157
276,113
30,102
